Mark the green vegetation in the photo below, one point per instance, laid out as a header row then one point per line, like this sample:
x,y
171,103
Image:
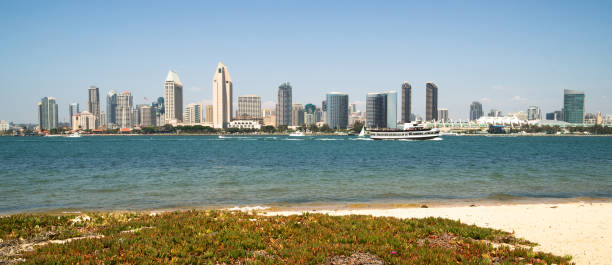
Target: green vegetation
x,y
222,237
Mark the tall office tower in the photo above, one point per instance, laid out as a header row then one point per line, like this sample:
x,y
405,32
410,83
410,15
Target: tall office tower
x,y
391,109
249,107
209,114
476,111
137,109
173,98
73,109
93,104
534,113
443,115
337,110
124,110
318,115
47,113
297,115
148,116
160,116
310,114
284,105
324,109
222,97
111,109
376,110
431,101
406,102
573,106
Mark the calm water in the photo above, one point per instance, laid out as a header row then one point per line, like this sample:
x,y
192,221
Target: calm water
x,y
176,171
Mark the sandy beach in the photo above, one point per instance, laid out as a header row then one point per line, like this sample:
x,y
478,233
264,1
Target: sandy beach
x,y
580,229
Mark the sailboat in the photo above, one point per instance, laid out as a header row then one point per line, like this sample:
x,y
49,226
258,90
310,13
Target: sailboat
x,y
362,133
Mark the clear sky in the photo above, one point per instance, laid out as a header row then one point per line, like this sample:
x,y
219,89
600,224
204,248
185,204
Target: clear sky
x,y
507,54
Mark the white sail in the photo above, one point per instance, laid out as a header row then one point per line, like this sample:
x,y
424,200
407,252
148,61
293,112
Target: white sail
x,y
362,133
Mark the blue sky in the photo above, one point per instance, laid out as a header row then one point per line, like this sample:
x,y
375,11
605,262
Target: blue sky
x,y
507,54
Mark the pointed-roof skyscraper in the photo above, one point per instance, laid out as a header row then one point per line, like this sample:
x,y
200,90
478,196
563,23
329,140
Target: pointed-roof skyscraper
x,y
173,98
222,97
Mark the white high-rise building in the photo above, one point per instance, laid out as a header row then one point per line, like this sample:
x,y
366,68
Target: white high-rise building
x,y
193,114
173,98
249,107
124,110
84,121
534,113
222,97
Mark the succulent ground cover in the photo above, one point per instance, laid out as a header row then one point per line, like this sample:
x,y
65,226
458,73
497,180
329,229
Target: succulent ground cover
x,y
223,237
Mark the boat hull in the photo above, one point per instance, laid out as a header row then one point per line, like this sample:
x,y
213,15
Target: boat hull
x,y
404,135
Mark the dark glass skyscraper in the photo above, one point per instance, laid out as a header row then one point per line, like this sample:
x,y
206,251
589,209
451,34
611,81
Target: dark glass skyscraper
x,y
337,110
284,105
573,106
431,101
406,102
111,109
475,111
93,104
376,110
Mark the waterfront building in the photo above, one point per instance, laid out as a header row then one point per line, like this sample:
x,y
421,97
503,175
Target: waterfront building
x,y
84,121
443,115
495,113
103,120
93,104
124,111
376,110
193,114
47,113
284,105
354,117
475,111
352,108
599,119
550,116
269,117
590,118
173,98
245,124
391,109
73,109
297,115
324,111
337,110
111,109
431,101
249,108
4,126
573,106
209,114
148,116
318,115
222,97
310,114
534,113
406,102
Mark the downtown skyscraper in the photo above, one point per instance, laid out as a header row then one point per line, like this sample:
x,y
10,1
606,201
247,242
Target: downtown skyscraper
x,y
249,107
284,105
337,110
573,106
476,111
111,109
124,111
173,98
73,109
93,104
406,102
47,113
431,101
222,97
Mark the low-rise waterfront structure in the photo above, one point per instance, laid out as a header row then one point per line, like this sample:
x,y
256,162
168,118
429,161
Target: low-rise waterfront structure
x,y
245,124
83,121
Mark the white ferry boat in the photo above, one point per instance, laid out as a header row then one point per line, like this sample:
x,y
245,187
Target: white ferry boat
x,y
411,131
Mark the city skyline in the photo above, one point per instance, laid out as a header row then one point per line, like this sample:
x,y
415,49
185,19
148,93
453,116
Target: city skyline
x,y
505,63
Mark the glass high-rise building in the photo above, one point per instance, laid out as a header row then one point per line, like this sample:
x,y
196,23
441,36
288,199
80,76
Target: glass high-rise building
x,y
111,109
93,104
297,115
173,98
431,101
406,102
391,109
534,113
476,111
376,110
124,111
573,106
47,113
337,110
310,114
284,105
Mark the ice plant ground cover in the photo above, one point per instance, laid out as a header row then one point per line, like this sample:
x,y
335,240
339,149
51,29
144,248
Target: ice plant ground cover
x,y
225,237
